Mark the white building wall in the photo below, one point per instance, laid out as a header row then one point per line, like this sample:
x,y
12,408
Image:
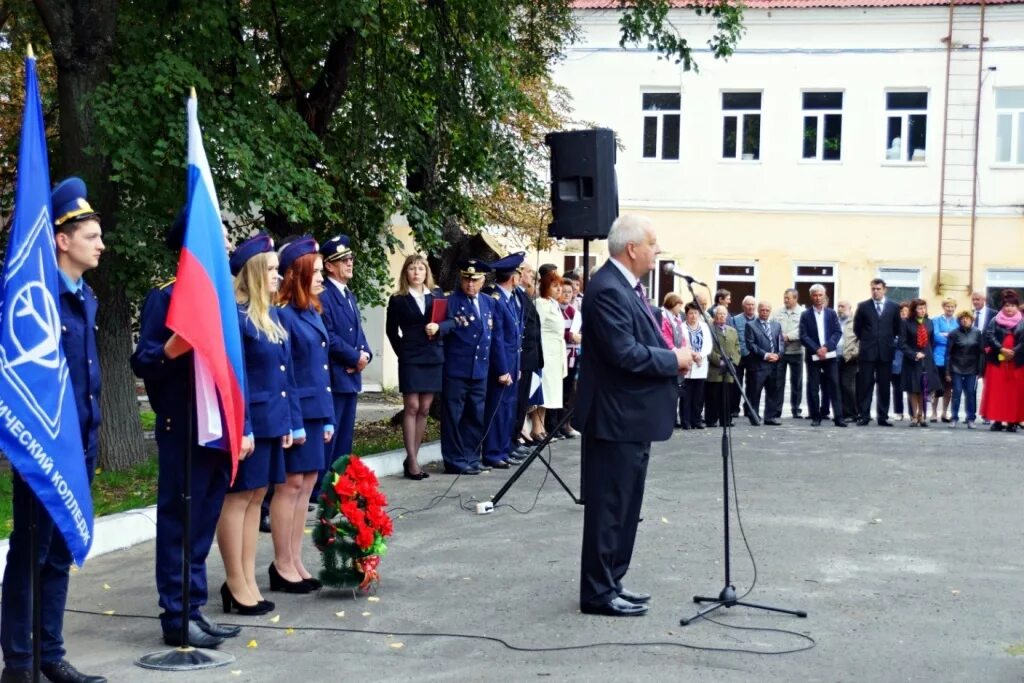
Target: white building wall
x,y
862,52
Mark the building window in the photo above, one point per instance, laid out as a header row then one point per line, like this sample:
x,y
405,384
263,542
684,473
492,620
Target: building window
x,y
998,280
741,281
907,126
1010,126
661,125
902,284
823,125
811,274
741,125
574,262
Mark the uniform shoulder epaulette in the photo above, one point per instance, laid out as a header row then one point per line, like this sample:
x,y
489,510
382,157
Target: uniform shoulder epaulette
x,y
168,283
496,296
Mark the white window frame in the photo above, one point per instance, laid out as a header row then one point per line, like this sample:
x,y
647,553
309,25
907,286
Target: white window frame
x,y
660,114
820,114
740,115
904,116
753,277
1004,277
1016,116
652,281
901,276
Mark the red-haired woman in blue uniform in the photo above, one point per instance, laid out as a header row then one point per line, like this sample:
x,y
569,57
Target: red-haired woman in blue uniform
x,y
300,315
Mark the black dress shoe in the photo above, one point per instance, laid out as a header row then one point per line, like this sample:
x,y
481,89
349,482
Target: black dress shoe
x,y
773,423
63,672
616,607
635,598
840,423
197,637
215,629
16,676
863,422
884,423
315,584
229,602
279,583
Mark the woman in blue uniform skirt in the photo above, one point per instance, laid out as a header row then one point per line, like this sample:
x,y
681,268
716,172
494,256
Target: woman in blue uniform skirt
x,y
269,421
420,353
300,315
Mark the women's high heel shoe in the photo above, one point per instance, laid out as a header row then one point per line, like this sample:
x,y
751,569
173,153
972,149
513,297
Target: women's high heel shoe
x,y
416,477
315,584
279,583
229,602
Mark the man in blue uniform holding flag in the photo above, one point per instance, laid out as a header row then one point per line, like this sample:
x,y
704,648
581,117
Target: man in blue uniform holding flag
x,y
49,429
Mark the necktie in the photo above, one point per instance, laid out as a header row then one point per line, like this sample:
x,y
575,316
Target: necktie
x,y
348,300
642,293
878,307
476,305
767,333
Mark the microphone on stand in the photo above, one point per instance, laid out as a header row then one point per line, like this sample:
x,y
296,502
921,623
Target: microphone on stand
x,y
670,269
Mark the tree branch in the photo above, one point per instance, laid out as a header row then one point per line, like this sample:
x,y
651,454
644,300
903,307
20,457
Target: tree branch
x,y
297,89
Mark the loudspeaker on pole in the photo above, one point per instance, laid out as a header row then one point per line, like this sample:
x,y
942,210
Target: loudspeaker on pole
x,y
584,191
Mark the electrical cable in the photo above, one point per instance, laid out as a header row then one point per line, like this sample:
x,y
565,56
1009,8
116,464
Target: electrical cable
x,y
810,642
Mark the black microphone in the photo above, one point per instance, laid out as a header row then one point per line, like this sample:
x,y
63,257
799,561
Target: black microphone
x,y
670,269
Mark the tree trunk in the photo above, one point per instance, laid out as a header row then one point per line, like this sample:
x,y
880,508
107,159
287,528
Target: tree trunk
x,y
82,34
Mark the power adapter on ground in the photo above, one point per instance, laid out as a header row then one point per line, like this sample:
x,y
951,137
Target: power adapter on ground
x,y
484,508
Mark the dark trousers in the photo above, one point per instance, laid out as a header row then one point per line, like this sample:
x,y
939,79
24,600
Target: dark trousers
x,y
54,564
714,411
693,402
848,389
211,470
897,393
792,363
765,379
499,415
613,487
341,444
462,424
745,371
823,376
522,399
875,373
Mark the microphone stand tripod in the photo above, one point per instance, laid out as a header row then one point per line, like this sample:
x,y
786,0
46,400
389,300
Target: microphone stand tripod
x,y
727,596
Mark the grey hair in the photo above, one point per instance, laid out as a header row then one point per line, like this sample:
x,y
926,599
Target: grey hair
x,y
818,288
627,228
714,310
749,298
764,302
792,291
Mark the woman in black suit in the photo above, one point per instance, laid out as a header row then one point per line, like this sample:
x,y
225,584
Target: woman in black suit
x,y
420,352
919,374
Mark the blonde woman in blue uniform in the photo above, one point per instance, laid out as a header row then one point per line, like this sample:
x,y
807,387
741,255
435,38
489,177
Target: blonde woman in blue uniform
x,y
300,315
270,422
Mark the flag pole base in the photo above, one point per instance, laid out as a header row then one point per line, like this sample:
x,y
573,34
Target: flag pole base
x,y
184,659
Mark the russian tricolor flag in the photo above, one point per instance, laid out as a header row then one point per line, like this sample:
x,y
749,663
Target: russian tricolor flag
x,y
203,310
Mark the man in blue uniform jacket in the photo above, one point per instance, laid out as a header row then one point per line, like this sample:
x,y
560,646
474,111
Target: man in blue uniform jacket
x,y
79,241
349,350
470,356
164,362
500,409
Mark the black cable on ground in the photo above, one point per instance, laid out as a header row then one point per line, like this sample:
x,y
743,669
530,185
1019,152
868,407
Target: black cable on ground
x,y
809,642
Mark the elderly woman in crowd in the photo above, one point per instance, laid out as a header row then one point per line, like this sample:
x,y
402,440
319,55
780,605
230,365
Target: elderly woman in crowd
x,y
897,369
718,377
552,344
964,361
943,325
1002,400
919,374
698,337
672,333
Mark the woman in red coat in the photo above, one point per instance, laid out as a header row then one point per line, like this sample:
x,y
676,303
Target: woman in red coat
x,y
1002,400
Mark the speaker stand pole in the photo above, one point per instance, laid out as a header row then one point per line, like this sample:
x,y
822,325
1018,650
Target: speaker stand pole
x,y
583,437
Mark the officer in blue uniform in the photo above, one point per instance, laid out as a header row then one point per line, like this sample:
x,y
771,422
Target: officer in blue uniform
x,y
500,409
164,362
349,350
469,353
79,243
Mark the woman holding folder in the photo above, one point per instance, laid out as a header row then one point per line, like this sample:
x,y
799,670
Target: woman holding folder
x,y
416,339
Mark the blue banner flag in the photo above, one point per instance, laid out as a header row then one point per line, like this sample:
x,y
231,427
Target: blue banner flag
x,y
39,430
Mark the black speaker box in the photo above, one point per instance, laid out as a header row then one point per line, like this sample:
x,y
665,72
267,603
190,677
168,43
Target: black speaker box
x,y
584,193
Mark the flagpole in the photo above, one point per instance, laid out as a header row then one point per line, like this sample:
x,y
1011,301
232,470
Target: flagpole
x,y
37,593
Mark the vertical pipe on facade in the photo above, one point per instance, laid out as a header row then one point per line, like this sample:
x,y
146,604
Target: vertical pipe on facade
x,y
977,125
945,126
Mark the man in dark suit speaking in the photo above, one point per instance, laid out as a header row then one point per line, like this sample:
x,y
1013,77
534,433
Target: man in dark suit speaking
x,y
877,326
626,398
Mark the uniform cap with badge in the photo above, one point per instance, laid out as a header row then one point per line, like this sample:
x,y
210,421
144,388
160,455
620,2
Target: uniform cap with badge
x,y
295,249
70,203
255,245
505,267
474,269
336,248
